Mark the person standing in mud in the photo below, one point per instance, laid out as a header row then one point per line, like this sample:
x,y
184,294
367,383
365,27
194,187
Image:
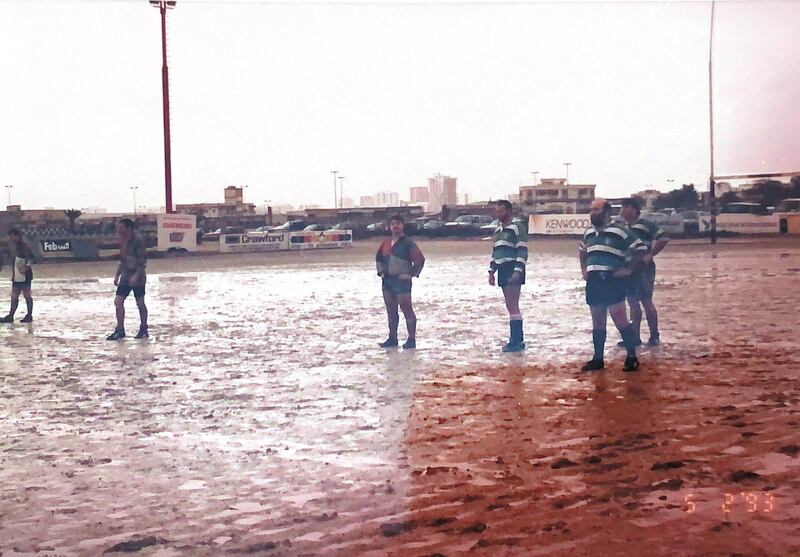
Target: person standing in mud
x,y
398,261
507,268
609,254
130,277
21,275
642,282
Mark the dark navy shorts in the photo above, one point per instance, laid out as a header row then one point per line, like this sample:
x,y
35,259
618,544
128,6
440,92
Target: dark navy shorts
x,y
25,283
642,283
124,289
396,286
604,289
505,272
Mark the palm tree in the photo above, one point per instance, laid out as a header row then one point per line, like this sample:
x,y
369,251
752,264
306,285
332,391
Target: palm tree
x,y
72,215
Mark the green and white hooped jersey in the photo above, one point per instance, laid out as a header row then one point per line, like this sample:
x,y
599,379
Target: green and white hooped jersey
x,y
510,246
608,248
648,232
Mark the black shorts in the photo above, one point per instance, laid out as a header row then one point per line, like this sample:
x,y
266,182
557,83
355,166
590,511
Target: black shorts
x,y
124,289
604,289
505,272
641,283
23,284
396,286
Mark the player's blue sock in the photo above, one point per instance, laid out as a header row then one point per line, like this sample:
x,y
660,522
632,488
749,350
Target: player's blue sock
x,y
629,338
599,341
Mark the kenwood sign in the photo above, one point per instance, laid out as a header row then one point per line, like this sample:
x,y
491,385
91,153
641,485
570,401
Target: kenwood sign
x,y
572,225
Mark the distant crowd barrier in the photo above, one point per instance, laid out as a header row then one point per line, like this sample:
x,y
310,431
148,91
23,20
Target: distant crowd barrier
x,y
744,223
249,242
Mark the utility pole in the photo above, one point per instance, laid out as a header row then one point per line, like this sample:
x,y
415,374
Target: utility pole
x,y
335,204
535,177
133,189
8,189
567,165
341,191
163,6
712,186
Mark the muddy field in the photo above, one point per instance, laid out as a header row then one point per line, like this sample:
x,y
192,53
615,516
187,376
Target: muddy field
x,y
261,418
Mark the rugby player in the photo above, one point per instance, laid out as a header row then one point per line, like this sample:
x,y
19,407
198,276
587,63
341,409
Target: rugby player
x,y
609,254
398,261
507,268
21,275
131,277
642,282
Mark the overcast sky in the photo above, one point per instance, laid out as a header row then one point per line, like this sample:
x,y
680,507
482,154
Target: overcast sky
x,y
276,95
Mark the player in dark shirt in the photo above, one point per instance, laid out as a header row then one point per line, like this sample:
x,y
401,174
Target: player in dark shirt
x,y
399,260
131,277
21,275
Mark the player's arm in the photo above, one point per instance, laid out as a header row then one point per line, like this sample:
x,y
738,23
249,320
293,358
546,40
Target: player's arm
x,y
417,260
141,263
522,249
583,257
379,261
636,252
659,242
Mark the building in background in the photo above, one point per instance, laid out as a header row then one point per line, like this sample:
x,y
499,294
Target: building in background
x,y
348,203
649,197
386,199
419,195
234,205
554,195
442,190
366,201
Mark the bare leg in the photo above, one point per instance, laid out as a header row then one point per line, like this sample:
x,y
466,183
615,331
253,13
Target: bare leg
x,y
404,300
511,295
15,292
652,316
636,316
391,311
119,304
142,311
28,300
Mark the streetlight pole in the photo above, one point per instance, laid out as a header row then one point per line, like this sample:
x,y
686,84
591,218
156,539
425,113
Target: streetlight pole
x,y
334,172
712,189
8,189
163,6
567,165
133,189
535,177
341,191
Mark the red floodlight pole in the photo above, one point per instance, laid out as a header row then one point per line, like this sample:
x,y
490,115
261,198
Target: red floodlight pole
x,y
163,6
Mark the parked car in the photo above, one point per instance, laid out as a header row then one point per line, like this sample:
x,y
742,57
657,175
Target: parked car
x,y
343,226
488,229
378,227
692,221
466,224
316,228
788,206
291,226
742,208
263,229
433,225
670,224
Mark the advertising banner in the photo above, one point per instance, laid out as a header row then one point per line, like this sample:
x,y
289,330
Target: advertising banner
x,y
568,225
253,242
321,239
177,232
743,223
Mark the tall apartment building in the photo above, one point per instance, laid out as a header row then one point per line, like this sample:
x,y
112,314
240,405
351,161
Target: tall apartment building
x,y
554,195
442,190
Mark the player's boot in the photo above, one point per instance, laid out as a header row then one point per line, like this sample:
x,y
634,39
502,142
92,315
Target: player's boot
x,y
514,347
7,319
593,365
631,364
410,344
389,343
655,340
142,332
27,319
118,334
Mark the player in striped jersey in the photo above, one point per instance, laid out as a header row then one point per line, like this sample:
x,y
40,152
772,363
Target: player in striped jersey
x,y
642,282
609,254
509,256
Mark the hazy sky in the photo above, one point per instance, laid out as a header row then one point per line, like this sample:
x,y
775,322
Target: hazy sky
x,y
277,95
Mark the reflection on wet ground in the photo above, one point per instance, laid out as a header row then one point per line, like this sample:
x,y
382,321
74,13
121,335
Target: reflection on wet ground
x,y
262,419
